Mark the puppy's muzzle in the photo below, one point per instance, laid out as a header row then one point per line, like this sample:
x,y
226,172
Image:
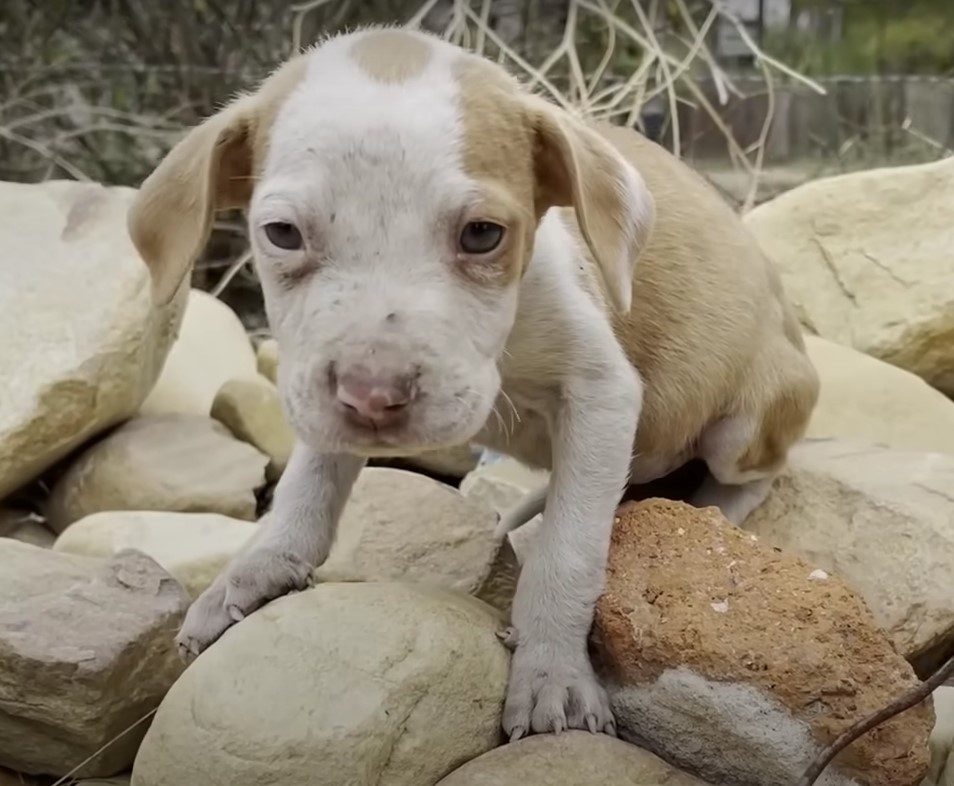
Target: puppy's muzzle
x,y
374,398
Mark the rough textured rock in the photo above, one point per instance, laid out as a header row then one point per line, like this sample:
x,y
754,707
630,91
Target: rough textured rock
x,y
865,398
193,547
180,463
372,685
400,525
868,259
252,410
706,634
574,758
942,740
266,359
64,246
120,781
881,520
212,347
86,650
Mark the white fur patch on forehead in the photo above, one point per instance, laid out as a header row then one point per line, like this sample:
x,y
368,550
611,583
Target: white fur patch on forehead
x,y
394,84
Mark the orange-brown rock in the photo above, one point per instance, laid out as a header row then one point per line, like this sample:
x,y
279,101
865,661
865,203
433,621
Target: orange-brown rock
x,y
739,662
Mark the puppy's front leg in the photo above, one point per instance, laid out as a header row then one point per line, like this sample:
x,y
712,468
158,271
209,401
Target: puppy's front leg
x,y
552,683
281,557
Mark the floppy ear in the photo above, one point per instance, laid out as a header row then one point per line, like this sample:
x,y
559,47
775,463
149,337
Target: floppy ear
x,y
210,169
577,167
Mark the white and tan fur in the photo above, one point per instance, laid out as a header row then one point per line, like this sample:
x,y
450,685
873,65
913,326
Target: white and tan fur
x,y
624,293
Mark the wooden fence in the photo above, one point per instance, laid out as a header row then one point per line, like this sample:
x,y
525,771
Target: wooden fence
x,y
884,116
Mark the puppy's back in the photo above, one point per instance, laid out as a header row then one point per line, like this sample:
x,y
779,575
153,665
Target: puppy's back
x,y
710,330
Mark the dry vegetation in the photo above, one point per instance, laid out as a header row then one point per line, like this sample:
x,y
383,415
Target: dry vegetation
x,y
100,89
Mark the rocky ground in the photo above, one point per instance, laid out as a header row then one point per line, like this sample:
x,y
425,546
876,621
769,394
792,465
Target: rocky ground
x,y
138,450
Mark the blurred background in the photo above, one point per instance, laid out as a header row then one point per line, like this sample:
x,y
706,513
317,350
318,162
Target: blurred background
x,y
760,95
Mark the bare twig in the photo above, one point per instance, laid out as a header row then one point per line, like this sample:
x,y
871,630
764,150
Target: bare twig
x,y
910,699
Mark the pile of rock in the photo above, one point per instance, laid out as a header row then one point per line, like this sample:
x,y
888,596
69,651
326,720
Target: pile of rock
x,y
732,656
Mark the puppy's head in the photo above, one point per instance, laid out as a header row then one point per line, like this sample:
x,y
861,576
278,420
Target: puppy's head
x,y
393,185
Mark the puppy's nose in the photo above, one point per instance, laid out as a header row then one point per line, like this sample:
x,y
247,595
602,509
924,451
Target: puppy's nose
x,y
374,399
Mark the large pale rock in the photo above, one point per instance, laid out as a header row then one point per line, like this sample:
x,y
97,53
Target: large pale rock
x,y
86,650
865,398
574,758
740,663
180,463
193,547
252,410
881,520
358,684
400,525
942,740
868,259
82,341
212,348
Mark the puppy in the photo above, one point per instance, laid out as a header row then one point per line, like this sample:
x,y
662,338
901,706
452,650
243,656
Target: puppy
x,y
446,257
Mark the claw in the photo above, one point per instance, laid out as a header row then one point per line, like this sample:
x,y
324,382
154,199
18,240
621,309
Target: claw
x,y
611,729
517,733
591,724
508,637
236,613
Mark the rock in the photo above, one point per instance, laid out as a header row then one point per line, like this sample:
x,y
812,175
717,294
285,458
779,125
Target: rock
x,y
359,684
942,740
266,360
739,663
882,520
502,484
65,251
402,526
868,259
865,398
211,349
86,650
121,781
180,463
252,410
193,547
26,527
574,758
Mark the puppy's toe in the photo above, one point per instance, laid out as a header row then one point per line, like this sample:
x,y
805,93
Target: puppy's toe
x,y
205,621
549,693
262,576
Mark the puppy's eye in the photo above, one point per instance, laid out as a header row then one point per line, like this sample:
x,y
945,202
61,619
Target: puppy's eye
x,y
480,237
284,235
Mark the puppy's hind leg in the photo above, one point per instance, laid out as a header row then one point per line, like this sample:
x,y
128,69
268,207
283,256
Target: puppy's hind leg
x,y
741,472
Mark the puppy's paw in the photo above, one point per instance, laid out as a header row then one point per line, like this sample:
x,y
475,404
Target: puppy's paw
x,y
551,693
205,621
263,575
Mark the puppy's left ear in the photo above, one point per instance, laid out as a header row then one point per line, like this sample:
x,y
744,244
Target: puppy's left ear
x,y
575,166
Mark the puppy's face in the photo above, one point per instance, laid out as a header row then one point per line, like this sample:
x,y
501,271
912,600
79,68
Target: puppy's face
x,y
393,186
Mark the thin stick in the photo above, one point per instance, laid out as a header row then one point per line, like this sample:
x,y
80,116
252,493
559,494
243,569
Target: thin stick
x,y
914,696
105,747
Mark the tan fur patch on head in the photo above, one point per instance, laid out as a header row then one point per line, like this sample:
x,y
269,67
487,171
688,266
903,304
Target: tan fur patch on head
x,y
391,56
498,145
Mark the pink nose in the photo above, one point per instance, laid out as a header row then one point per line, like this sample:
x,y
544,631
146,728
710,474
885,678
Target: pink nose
x,y
374,400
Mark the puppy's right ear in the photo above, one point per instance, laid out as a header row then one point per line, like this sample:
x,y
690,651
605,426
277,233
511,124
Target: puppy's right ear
x,y
210,169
